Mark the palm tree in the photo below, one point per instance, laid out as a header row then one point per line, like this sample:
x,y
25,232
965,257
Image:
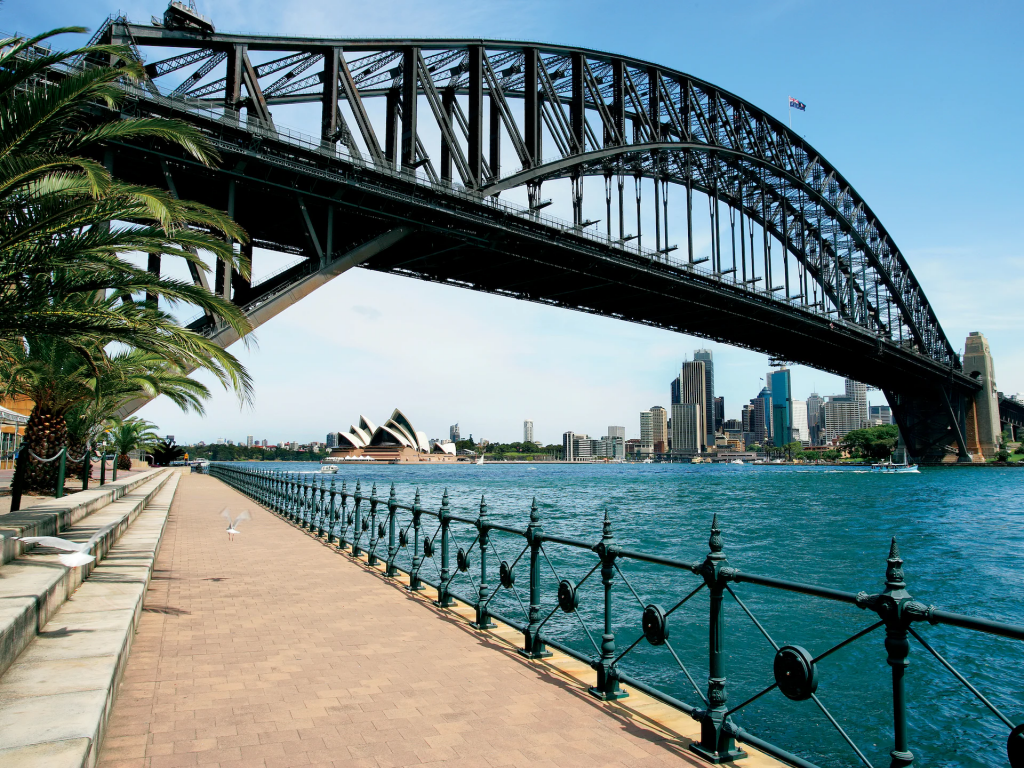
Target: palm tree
x,y
132,434
83,391
65,221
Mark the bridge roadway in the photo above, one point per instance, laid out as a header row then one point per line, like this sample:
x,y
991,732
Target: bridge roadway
x,y
274,650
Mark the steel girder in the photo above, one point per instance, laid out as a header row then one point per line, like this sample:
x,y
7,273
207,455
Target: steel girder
x,y
605,115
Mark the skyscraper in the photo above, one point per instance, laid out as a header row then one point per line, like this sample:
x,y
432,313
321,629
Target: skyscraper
x,y
799,431
842,415
528,431
762,416
646,433
569,446
333,438
453,433
691,387
858,393
815,418
687,428
248,441
719,413
781,418
659,429
705,356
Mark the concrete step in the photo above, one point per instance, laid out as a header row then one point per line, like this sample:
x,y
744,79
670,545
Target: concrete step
x,y
36,584
51,517
55,700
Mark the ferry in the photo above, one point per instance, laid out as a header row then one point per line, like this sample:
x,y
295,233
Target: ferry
x,y
329,469
888,468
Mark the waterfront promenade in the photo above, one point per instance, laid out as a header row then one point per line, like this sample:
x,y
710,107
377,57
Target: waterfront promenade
x,y
274,650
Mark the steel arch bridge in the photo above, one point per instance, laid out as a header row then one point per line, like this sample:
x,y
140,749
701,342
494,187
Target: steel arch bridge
x,y
769,247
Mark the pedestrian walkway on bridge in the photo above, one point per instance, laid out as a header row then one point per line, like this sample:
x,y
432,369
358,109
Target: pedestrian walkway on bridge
x,y
275,650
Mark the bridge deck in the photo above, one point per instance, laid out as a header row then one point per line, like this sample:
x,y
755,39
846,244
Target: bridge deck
x,y
273,650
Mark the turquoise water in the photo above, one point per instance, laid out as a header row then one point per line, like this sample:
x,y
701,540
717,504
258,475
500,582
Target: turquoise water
x,y
960,533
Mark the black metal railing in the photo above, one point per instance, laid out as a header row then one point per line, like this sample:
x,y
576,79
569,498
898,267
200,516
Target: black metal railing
x,y
25,456
403,538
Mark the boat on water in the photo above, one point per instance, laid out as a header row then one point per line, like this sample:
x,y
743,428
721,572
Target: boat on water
x,y
648,460
736,461
480,460
888,468
329,469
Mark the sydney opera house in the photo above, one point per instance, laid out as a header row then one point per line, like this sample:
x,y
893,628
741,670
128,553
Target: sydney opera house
x,y
393,442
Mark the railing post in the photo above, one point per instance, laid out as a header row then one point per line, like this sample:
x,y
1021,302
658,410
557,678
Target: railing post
x,y
414,573
113,468
716,745
86,467
61,469
343,516
444,600
332,512
371,550
607,687
357,530
891,608
483,620
103,468
391,570
533,648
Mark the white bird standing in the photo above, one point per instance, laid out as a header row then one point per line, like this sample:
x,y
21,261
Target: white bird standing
x,y
79,550
233,524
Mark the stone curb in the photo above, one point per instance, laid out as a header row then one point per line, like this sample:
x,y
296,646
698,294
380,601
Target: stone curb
x,y
34,587
56,699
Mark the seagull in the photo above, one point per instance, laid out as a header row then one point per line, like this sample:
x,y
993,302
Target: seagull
x,y
79,550
232,524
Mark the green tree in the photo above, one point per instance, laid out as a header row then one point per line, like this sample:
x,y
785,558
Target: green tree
x,y
132,434
832,455
165,452
873,442
65,221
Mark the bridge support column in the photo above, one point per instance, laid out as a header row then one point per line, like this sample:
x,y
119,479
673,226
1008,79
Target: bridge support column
x,y
985,408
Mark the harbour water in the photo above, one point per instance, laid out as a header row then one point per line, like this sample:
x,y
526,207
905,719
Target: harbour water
x,y
960,532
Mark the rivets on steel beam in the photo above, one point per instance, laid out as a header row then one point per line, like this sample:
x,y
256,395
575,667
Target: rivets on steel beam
x,y
655,624
795,672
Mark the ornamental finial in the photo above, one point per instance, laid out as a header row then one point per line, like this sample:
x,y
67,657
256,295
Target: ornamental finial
x,y
715,542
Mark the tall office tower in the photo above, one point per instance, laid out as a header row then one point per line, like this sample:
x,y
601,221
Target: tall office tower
x,y
782,411
248,441
453,433
659,429
747,417
762,416
646,433
691,387
815,417
719,413
333,438
528,431
842,415
705,356
616,442
617,432
569,446
798,429
687,428
879,415
858,393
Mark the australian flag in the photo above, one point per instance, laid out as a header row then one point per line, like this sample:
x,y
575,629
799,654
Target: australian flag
x,y
797,104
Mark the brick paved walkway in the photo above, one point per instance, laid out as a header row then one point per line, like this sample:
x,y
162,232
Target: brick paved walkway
x,y
274,650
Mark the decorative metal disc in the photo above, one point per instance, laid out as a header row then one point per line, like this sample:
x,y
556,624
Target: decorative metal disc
x,y
568,598
366,524
462,560
505,575
428,547
380,530
655,624
403,538
795,672
350,519
1015,747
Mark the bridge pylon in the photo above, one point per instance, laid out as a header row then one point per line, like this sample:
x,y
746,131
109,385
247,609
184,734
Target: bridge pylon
x,y
984,436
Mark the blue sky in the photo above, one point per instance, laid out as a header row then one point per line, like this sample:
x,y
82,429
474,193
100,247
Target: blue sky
x,y
916,103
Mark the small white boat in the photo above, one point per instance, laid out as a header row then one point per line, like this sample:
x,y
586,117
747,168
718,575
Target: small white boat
x,y
329,469
888,468
648,460
481,459
736,461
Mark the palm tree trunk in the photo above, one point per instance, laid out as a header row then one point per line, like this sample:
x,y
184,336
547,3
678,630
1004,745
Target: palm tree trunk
x,y
45,435
124,461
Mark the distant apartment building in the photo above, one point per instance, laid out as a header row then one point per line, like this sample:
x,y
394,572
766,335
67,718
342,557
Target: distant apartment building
x,y
799,432
248,441
842,415
646,445
453,433
690,387
528,431
879,416
659,429
858,393
333,438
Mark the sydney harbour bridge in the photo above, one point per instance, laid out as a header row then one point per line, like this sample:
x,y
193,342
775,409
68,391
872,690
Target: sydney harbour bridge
x,y
692,209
